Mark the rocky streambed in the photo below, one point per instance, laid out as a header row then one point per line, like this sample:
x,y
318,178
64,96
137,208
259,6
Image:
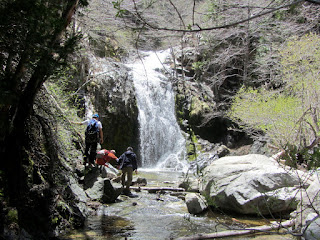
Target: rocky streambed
x,y
160,215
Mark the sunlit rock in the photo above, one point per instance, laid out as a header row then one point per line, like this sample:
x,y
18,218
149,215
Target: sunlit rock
x,y
98,187
195,203
80,198
251,184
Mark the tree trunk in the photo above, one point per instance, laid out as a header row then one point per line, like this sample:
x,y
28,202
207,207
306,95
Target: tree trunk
x,y
14,141
19,111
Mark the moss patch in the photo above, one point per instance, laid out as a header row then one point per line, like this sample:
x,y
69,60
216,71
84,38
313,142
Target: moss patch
x,y
198,107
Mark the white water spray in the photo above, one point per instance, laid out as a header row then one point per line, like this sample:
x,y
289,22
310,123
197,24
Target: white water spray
x,y
161,142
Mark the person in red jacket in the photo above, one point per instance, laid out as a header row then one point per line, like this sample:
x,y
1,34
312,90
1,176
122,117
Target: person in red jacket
x,y
105,156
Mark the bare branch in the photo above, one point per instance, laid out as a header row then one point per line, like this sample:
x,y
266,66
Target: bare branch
x,y
180,17
193,12
216,27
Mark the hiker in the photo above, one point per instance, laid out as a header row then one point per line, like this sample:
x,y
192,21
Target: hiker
x,y
127,164
105,156
93,136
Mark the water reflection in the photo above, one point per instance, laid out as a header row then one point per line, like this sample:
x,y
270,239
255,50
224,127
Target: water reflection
x,y
103,227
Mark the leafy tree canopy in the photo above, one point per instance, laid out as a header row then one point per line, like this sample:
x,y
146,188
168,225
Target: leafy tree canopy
x,y
290,115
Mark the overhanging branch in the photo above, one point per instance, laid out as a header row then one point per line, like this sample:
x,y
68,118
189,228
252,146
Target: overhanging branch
x,y
216,27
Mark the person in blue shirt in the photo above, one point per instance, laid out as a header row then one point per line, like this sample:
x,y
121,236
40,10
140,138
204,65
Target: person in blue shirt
x,y
90,151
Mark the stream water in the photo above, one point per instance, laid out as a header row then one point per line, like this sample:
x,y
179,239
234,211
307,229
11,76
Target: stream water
x,y
159,217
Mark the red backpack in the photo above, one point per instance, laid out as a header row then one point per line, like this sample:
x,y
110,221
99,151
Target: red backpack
x,y
101,158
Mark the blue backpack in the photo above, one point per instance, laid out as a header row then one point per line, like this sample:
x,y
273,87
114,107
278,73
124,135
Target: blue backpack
x,y
92,131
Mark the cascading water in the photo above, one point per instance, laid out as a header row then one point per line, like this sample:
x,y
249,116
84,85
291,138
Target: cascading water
x,y
161,142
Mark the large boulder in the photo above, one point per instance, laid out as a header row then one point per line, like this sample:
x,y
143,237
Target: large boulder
x,y
98,186
250,184
103,190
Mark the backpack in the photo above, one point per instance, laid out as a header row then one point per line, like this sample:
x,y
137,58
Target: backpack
x,y
101,157
102,153
92,131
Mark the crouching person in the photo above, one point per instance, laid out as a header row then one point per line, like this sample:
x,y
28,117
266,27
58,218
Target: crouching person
x,y
105,156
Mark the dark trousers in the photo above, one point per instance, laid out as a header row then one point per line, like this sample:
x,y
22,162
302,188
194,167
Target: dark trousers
x,y
90,152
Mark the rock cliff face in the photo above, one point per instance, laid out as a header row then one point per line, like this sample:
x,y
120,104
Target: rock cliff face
x,y
53,199
201,110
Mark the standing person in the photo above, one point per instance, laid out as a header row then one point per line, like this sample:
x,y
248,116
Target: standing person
x,y
93,136
128,163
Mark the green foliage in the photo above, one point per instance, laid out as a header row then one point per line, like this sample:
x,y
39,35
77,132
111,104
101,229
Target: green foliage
x,y
120,11
283,14
312,158
289,116
263,47
58,87
191,151
35,45
198,106
12,215
301,66
266,111
179,100
198,65
64,111
211,201
54,220
214,9
306,157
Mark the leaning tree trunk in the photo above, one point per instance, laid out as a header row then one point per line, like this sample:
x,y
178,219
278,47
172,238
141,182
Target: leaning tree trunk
x,y
15,139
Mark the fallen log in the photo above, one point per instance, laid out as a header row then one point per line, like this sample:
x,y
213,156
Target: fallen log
x,y
260,229
157,189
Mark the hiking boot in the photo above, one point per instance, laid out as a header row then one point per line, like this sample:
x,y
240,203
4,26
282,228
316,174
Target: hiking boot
x,y
125,192
131,195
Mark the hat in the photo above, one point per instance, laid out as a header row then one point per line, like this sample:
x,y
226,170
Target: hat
x,y
95,115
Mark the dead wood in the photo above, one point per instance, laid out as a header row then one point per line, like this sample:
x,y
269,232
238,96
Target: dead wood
x,y
260,229
157,189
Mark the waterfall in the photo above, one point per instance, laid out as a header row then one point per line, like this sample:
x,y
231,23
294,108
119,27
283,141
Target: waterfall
x,y
162,144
